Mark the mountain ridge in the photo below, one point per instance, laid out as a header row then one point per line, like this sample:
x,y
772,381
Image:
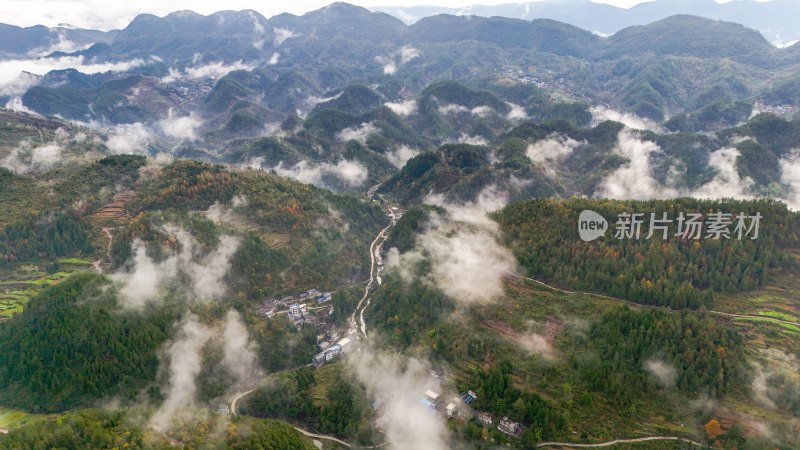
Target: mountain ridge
x,y
608,19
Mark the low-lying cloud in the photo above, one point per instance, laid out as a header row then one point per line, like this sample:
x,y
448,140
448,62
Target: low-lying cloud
x,y
16,105
602,113
727,182
16,86
184,360
397,59
282,34
199,274
314,100
182,128
219,213
453,108
129,139
213,71
468,263
258,31
399,384
790,176
536,344
350,173
464,138
400,156
549,153
635,178
185,363
240,352
404,108
360,133
19,75
28,158
516,113
664,373
759,388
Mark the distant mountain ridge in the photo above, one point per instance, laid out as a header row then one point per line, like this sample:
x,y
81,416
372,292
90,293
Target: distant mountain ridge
x,y
340,43
40,40
775,19
343,83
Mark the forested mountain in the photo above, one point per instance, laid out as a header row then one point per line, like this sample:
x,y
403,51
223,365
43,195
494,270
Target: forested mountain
x,y
179,63
675,272
179,241
95,354
39,40
608,19
102,429
542,354
325,99
217,229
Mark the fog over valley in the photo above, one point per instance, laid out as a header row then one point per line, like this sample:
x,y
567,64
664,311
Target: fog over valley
x,y
549,224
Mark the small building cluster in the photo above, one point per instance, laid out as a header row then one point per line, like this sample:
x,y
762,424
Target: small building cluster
x,y
434,403
330,352
297,308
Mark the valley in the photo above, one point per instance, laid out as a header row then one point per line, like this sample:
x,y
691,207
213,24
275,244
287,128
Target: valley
x,y
355,228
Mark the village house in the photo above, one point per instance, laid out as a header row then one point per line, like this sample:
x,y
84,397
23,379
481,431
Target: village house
x,y
469,397
432,396
509,427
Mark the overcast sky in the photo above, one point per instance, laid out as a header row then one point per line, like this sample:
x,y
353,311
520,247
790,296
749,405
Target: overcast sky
x,y
107,14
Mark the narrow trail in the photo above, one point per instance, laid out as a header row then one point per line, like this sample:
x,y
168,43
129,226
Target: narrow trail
x,y
640,305
237,398
620,441
97,264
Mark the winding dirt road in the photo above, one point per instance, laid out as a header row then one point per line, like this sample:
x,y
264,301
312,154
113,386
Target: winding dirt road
x,y
620,441
323,436
304,432
237,398
640,305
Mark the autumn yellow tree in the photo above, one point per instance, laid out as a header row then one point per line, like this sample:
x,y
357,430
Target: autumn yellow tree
x,y
713,428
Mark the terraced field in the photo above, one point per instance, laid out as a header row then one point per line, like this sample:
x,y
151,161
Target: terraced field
x,y
19,286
